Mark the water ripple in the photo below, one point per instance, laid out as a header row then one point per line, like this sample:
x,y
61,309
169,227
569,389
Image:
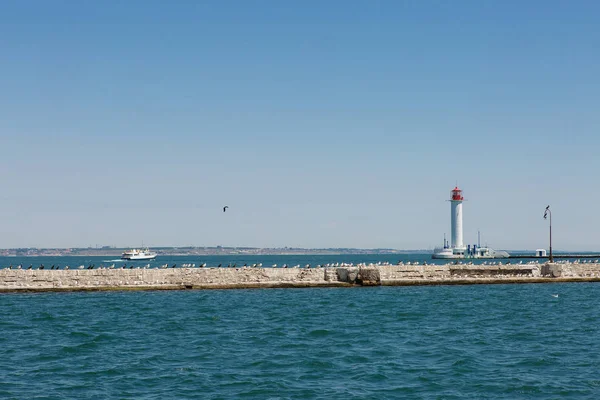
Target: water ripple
x,y
451,342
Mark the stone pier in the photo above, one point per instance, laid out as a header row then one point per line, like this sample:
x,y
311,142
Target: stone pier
x,y
16,280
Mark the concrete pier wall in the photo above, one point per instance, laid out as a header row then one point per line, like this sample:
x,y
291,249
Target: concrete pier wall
x,y
222,278
85,279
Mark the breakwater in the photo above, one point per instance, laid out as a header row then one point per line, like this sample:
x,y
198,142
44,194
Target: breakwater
x,y
254,277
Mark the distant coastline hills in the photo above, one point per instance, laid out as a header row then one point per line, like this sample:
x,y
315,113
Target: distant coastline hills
x,y
191,251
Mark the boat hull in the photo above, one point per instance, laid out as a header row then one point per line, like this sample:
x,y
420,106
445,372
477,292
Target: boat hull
x,y
134,258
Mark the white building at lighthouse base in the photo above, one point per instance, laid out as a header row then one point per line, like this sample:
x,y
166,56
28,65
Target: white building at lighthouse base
x,y
477,252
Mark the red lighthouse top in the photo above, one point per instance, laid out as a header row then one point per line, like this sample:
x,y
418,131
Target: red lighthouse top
x,y
456,194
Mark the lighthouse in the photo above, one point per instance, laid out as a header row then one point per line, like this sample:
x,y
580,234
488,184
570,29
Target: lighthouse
x,y
457,248
456,200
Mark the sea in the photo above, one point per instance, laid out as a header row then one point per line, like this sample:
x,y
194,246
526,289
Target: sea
x,y
513,341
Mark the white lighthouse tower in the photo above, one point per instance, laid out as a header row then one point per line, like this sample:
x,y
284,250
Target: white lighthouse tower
x,y
456,222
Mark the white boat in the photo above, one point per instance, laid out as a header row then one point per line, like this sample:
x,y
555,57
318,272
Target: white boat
x,y
136,254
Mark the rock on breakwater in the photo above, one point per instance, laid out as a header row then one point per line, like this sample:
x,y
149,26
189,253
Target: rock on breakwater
x,y
247,277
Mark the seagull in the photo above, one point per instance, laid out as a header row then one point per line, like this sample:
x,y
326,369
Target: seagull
x,y
225,208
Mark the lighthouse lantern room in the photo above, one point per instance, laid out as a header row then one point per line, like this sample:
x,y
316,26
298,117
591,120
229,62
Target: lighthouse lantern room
x,y
456,194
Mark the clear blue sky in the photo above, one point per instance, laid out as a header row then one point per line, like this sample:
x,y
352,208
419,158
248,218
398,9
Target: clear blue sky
x,y
319,123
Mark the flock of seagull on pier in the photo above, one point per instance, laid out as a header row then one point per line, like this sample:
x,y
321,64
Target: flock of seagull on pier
x,y
259,265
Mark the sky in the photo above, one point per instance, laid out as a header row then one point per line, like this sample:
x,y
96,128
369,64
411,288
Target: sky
x,y
319,123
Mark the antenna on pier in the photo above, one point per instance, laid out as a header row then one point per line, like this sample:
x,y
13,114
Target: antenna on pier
x,y
478,239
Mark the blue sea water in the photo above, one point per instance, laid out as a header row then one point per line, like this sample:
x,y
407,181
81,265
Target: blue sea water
x,y
214,260
431,342
239,260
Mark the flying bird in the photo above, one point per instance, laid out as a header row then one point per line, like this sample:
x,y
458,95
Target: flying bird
x,y
225,208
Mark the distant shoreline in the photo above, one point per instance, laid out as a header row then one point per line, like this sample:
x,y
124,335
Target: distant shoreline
x,y
199,251
213,251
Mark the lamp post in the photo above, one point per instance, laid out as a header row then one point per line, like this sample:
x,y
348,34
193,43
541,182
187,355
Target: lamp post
x,y
546,213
